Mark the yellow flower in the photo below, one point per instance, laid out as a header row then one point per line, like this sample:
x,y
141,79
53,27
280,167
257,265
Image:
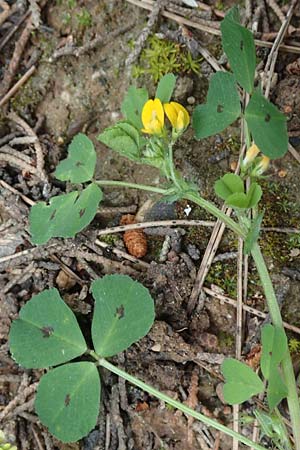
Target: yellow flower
x,y
251,154
177,115
153,117
262,165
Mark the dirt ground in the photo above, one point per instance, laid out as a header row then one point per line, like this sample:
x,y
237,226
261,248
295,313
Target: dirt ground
x,y
68,93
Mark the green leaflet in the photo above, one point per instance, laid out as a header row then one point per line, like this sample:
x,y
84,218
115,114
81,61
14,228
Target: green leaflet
x,y
238,44
65,215
267,126
165,88
46,333
221,109
241,382
133,104
124,312
124,138
80,164
68,400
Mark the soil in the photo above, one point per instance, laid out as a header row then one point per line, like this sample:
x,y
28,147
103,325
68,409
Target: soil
x,y
73,94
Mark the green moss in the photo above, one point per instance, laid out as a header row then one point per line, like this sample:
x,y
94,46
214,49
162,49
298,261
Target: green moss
x,y
162,56
224,275
294,345
110,239
84,18
226,341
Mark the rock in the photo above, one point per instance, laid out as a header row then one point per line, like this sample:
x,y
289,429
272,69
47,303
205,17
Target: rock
x,y
183,89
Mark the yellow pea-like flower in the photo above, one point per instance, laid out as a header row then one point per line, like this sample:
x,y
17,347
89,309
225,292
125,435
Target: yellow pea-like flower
x,y
262,165
251,154
153,117
177,115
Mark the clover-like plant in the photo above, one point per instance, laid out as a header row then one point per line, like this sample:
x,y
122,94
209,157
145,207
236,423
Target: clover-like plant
x,y
47,334
146,135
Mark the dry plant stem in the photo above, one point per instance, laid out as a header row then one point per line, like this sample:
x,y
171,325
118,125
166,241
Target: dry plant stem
x,y
287,366
270,65
246,308
185,409
294,153
70,50
207,260
140,42
15,60
11,32
37,146
17,86
182,21
19,163
156,223
7,11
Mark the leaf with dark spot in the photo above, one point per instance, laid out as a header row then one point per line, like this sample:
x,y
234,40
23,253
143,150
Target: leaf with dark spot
x,y
119,297
65,215
267,126
80,164
267,118
47,331
221,109
67,399
120,312
238,44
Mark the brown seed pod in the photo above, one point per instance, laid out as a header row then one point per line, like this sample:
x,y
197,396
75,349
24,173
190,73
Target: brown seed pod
x,y
135,240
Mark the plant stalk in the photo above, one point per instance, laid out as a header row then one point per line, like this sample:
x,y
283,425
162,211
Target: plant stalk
x,y
212,209
185,409
287,366
143,187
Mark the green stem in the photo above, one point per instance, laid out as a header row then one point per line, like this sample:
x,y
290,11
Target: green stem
x,y
171,165
212,209
185,409
143,187
287,366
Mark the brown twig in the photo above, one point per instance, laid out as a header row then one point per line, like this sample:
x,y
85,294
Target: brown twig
x,y
157,223
15,60
18,162
140,42
271,61
182,21
37,146
249,309
13,29
18,399
122,254
279,13
7,11
71,50
23,197
17,86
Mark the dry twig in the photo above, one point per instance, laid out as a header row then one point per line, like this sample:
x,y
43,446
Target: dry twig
x,y
71,50
37,146
17,86
140,42
15,60
182,21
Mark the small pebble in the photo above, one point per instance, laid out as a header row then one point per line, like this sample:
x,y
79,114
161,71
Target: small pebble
x,y
191,100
